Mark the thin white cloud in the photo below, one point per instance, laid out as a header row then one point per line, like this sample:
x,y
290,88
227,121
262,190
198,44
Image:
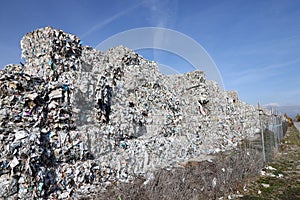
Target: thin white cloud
x,y
272,104
109,20
262,72
162,13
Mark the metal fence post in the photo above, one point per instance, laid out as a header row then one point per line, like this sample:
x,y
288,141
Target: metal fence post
x,y
263,142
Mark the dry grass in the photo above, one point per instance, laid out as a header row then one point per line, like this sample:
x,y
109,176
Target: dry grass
x,y
194,181
287,163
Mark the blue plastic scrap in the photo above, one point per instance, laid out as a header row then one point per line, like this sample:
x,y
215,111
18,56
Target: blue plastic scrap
x,y
65,87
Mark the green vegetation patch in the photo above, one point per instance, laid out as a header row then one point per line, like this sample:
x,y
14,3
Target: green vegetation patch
x,y
282,182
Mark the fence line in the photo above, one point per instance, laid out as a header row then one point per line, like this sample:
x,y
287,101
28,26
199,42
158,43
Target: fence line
x,y
272,133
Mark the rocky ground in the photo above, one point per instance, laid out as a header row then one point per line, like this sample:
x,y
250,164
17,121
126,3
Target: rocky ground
x,y
280,179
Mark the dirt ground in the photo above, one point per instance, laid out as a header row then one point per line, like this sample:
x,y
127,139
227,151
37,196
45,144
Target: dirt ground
x,y
280,179
297,125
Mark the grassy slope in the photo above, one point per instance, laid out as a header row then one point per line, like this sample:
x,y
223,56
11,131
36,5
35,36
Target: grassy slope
x,y
287,163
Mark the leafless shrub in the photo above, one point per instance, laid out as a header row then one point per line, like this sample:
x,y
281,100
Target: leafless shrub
x,y
196,180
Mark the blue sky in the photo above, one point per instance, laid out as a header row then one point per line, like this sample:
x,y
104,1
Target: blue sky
x,y
255,44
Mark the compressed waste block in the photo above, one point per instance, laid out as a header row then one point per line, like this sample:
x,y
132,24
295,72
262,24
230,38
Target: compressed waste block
x,y
75,120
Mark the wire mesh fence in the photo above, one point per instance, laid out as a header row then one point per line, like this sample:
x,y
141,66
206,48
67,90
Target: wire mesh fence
x,y
273,129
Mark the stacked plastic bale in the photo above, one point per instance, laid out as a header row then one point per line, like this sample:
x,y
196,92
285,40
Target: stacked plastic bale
x,y
32,147
49,52
37,128
193,92
135,97
21,154
239,120
135,101
84,86
116,104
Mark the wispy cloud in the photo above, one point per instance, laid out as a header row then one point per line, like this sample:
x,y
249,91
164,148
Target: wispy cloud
x,y
109,20
272,104
162,13
276,66
260,73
